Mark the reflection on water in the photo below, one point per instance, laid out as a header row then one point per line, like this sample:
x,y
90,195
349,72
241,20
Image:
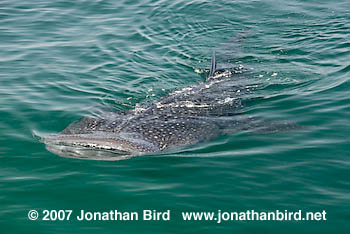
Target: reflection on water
x,y
62,61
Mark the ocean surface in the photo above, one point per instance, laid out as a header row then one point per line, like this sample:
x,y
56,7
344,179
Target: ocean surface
x,y
62,60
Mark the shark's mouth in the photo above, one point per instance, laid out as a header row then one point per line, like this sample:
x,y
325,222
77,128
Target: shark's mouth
x,y
97,146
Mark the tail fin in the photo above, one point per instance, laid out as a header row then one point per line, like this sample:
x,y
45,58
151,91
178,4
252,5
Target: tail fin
x,y
213,65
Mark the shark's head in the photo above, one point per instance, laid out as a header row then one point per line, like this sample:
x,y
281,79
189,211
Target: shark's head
x,y
86,140
98,146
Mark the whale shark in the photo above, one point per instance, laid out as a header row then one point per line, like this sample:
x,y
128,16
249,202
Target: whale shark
x,y
197,113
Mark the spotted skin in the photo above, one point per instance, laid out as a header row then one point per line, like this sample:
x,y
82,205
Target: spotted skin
x,y
194,114
184,117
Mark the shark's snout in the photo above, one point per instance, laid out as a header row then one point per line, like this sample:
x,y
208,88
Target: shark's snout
x,y
99,146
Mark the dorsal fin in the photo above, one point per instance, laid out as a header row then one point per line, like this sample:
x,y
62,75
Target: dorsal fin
x,y
213,65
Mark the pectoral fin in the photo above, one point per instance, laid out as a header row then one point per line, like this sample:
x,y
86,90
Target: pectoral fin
x,y
261,126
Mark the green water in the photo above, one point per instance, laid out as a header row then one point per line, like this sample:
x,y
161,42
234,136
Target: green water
x,y
62,60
